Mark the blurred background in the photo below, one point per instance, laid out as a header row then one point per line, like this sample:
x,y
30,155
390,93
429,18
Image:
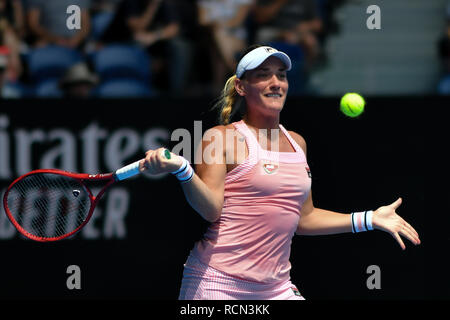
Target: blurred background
x,y
188,48
94,98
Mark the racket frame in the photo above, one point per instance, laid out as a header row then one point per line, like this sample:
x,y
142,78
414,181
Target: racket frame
x,y
123,173
81,177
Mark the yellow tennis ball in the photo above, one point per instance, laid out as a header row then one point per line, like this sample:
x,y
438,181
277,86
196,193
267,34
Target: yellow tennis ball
x,y
352,104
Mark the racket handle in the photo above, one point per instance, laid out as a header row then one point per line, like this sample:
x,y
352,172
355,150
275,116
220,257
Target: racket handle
x,y
133,168
128,171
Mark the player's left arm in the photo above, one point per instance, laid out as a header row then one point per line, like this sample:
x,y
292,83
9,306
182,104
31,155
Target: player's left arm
x,y
316,221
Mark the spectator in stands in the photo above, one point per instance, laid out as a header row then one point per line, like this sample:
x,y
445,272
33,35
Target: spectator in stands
x,y
13,12
184,47
12,29
104,5
47,22
225,22
78,81
296,22
444,46
444,56
3,67
149,23
7,88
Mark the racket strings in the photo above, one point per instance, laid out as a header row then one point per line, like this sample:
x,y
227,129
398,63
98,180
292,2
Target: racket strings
x,y
44,219
48,205
39,204
32,204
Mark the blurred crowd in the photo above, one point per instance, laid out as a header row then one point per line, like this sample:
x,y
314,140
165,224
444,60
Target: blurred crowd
x,y
443,87
143,48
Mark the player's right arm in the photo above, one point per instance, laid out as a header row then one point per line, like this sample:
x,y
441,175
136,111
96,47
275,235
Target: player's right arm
x,y
205,191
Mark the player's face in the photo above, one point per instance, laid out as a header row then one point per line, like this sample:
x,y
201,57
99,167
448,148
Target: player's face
x,y
266,87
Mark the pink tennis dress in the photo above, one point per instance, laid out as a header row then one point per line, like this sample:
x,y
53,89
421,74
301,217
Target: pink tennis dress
x,y
245,253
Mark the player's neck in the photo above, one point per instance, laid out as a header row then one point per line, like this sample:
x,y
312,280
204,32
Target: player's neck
x,y
262,122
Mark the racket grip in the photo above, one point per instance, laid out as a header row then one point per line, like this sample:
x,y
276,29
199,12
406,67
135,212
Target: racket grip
x,y
133,168
128,171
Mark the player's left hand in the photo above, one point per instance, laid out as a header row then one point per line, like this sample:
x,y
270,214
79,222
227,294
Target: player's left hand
x,y
386,219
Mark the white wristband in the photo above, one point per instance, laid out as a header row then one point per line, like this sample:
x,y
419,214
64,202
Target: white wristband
x,y
361,221
185,172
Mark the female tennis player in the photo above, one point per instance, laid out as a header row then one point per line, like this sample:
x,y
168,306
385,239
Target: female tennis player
x,y
257,192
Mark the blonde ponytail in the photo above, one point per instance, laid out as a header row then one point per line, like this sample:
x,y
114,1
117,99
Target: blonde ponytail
x,y
228,101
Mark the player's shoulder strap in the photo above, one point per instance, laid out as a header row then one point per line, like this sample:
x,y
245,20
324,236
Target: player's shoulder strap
x,y
294,143
250,139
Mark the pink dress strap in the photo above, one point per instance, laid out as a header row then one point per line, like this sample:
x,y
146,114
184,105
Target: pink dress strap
x,y
291,140
252,158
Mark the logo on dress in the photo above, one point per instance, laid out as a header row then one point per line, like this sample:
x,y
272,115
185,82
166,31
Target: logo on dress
x,y
270,168
309,172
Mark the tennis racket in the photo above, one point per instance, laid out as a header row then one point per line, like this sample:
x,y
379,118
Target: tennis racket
x,y
51,204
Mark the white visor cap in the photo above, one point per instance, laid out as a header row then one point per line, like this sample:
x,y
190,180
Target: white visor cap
x,y
254,58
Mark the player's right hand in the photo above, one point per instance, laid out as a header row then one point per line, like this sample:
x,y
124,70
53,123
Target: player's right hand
x,y
155,162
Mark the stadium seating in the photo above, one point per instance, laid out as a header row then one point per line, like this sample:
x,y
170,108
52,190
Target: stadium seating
x,y
123,88
100,23
444,85
122,61
48,89
51,62
15,90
